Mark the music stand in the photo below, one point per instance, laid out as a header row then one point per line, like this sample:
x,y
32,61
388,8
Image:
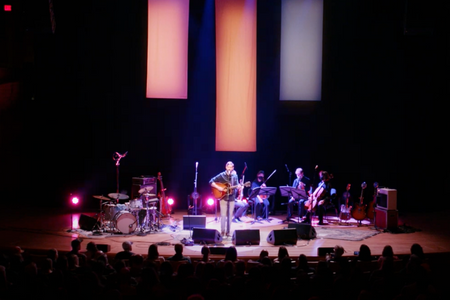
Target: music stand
x,y
289,191
265,191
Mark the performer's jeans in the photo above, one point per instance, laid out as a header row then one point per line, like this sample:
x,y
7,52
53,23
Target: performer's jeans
x,y
226,218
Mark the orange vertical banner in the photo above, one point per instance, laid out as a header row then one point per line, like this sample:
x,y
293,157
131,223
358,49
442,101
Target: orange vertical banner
x,y
236,75
167,49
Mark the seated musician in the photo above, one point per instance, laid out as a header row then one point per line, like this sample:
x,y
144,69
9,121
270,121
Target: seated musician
x,y
260,202
299,183
318,198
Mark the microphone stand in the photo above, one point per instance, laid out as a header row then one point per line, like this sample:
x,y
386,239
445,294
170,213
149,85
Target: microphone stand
x,y
195,194
117,157
290,175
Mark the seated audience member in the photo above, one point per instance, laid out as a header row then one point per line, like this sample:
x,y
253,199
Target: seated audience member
x,y
282,253
230,255
302,265
153,255
178,256
92,252
126,253
76,248
364,253
387,252
205,254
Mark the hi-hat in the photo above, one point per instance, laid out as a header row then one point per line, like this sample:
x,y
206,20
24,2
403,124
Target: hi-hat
x,y
149,195
145,190
118,196
102,198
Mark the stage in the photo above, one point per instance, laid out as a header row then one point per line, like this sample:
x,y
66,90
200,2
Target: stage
x,y
36,230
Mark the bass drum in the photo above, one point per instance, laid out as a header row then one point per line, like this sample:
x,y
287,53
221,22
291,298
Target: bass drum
x,y
125,222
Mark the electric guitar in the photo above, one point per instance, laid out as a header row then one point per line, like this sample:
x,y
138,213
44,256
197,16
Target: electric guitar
x,y
226,187
359,212
371,207
345,209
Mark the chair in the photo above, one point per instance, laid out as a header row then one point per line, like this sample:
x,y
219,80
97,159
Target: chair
x,y
331,204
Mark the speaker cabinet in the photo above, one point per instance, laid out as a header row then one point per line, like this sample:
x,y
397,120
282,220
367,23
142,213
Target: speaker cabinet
x,y
322,251
206,236
104,247
246,237
386,219
283,237
304,231
87,223
194,221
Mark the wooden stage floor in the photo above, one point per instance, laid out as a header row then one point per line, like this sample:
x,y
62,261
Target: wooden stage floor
x,y
39,229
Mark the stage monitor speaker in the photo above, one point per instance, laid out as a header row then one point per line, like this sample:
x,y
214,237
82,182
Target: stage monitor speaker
x,y
87,223
322,251
206,236
194,221
249,237
104,247
283,237
304,231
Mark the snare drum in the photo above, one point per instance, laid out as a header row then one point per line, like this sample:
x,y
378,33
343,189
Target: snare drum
x,y
125,222
136,204
110,211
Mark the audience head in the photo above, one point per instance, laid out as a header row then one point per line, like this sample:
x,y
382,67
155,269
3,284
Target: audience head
x,y
76,244
231,254
338,251
364,252
387,251
282,253
417,250
153,251
178,248
205,250
127,246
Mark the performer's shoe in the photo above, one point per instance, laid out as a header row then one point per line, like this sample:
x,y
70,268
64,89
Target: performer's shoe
x,y
288,219
306,221
236,220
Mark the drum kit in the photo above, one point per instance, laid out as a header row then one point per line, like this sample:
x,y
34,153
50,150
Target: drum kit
x,y
138,215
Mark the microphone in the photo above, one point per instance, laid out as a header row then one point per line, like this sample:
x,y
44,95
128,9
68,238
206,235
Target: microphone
x,y
316,167
125,154
196,164
287,169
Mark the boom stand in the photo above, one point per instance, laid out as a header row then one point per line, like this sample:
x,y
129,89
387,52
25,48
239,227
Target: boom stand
x,y
289,191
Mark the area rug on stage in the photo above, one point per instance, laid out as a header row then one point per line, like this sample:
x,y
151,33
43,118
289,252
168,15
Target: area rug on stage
x,y
344,234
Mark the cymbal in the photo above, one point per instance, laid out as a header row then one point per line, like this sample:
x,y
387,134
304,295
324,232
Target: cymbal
x,y
149,195
102,198
145,190
118,196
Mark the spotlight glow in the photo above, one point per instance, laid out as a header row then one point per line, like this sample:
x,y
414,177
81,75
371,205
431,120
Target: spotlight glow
x,y
75,200
170,201
210,201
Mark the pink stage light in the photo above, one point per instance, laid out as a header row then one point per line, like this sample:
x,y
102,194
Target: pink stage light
x,y
170,201
74,200
210,201
7,7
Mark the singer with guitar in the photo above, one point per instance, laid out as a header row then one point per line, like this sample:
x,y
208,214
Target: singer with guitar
x,y
318,198
226,184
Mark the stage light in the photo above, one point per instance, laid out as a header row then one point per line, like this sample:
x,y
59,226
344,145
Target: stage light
x,y
7,7
74,200
210,201
170,201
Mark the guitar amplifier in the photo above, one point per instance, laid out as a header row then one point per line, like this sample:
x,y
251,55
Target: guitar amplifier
x,y
386,219
143,182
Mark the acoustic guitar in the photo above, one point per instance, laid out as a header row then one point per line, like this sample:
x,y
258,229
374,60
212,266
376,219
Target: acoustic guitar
x,y
219,195
371,207
345,209
359,212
